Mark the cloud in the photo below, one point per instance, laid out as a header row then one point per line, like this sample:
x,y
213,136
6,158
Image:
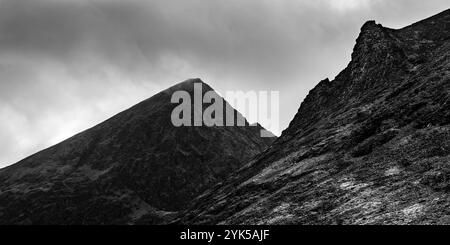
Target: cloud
x,y
66,65
345,5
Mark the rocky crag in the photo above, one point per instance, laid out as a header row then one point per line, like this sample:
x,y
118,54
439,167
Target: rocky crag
x,y
370,147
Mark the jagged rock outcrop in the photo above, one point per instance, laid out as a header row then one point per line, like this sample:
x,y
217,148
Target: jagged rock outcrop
x,y
370,147
136,165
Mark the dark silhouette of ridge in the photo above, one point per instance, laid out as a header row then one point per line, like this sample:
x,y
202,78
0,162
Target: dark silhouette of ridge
x,y
133,165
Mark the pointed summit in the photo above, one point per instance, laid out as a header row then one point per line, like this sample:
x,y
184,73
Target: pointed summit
x,y
135,164
187,84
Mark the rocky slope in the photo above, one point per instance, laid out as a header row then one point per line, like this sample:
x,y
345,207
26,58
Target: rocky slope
x,y
370,147
133,166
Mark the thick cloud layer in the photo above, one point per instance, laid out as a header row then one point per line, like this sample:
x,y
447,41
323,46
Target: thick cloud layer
x,y
67,65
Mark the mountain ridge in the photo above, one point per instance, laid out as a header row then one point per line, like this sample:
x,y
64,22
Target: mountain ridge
x,y
369,147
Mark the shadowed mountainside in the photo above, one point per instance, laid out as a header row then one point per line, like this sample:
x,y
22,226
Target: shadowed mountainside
x,y
136,164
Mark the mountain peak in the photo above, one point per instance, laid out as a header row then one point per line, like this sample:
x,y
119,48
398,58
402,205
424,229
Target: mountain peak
x,y
133,163
188,86
191,81
369,24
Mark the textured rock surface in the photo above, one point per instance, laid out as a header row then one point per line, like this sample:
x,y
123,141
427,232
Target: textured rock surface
x,y
370,147
136,165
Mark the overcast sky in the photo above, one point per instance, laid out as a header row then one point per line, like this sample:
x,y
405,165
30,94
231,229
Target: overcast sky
x,y
67,65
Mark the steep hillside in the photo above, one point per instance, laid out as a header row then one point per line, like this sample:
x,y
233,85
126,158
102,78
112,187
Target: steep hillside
x,y
134,165
370,147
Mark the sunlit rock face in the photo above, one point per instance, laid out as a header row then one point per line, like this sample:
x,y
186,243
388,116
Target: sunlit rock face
x,y
370,147
136,165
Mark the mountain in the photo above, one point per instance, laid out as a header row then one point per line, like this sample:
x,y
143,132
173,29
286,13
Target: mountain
x,y
370,147
135,165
